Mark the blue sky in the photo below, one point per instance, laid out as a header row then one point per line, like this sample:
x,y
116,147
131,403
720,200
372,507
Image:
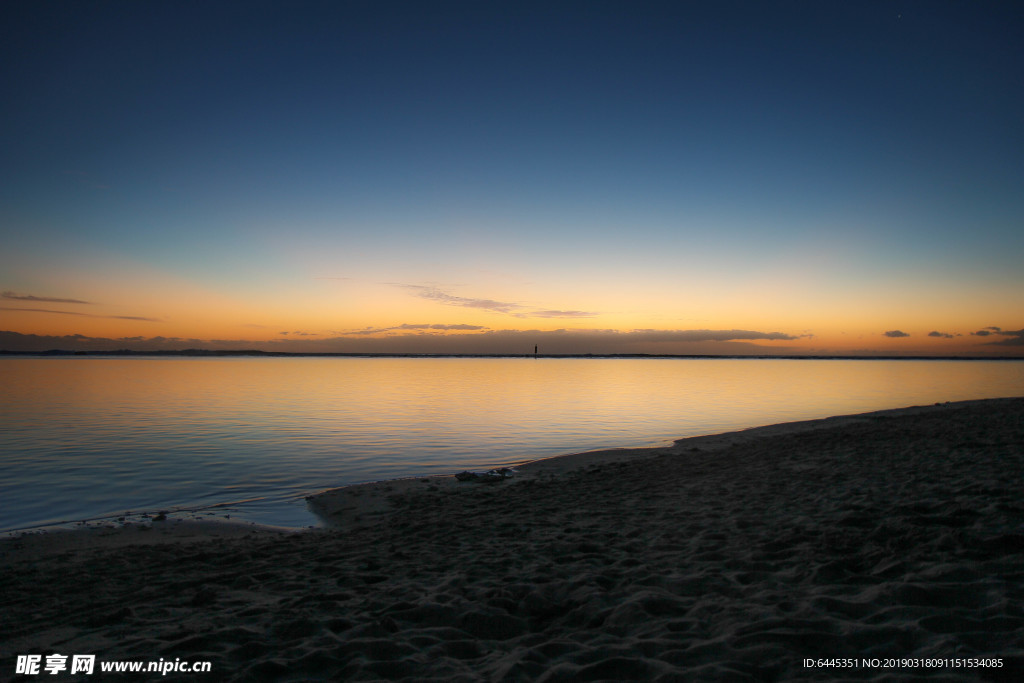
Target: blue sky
x,y
231,171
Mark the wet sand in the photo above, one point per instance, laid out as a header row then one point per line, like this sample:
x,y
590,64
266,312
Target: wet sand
x,y
897,534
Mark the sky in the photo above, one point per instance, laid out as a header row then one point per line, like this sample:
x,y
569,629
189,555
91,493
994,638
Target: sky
x,y
793,177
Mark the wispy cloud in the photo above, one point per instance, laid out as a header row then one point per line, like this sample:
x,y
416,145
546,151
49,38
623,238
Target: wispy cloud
x,y
84,315
562,314
45,310
711,335
437,326
435,294
508,307
412,327
45,299
988,331
940,335
896,333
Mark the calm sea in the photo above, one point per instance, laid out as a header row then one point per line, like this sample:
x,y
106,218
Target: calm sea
x,y
90,437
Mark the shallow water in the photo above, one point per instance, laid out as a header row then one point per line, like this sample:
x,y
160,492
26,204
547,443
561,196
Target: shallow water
x,y
98,436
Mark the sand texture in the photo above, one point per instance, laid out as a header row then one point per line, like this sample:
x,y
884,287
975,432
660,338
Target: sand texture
x,y
735,557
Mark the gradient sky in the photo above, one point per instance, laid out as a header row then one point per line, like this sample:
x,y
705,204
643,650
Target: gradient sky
x,y
593,177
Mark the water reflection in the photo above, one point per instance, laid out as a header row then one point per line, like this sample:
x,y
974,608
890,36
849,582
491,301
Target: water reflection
x,y
84,437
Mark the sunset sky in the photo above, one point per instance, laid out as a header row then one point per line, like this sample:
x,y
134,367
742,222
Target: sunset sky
x,y
801,177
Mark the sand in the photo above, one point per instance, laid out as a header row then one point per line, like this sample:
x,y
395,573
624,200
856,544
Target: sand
x,y
853,540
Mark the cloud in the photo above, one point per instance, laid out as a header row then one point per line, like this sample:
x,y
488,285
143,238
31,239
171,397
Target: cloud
x,y
942,335
435,294
416,326
45,310
509,307
710,335
441,338
562,314
47,299
413,338
641,336
896,333
597,341
84,315
421,326
1013,338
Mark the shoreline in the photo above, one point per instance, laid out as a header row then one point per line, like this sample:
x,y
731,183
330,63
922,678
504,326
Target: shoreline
x,y
355,506
360,504
895,533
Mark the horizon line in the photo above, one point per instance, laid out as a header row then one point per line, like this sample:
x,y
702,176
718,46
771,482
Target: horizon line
x,y
342,354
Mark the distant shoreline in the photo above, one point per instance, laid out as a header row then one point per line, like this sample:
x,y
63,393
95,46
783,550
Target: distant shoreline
x,y
192,353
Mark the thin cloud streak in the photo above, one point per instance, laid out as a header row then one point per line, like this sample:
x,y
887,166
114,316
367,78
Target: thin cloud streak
x,y
711,335
46,310
46,299
508,307
562,314
416,326
84,315
435,294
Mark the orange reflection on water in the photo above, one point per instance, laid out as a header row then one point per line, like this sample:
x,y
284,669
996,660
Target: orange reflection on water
x,y
85,436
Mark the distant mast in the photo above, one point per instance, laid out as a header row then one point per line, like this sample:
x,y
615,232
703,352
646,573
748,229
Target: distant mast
x,y
534,350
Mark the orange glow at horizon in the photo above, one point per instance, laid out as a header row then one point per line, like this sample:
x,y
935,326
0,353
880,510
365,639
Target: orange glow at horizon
x,y
131,305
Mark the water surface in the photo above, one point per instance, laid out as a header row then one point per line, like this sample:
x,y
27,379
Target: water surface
x,y
88,437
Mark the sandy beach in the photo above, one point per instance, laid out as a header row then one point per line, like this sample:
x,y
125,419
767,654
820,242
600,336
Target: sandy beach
x,y
884,546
